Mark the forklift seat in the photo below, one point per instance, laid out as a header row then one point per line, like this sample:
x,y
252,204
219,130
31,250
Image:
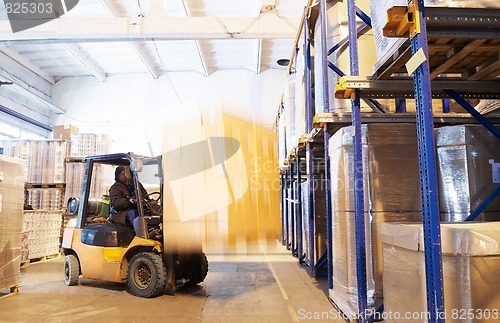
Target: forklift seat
x,y
107,235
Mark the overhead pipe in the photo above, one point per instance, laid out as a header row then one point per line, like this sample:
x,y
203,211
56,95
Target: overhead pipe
x,y
298,38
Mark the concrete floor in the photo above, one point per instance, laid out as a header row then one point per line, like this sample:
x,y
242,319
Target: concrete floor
x,y
258,287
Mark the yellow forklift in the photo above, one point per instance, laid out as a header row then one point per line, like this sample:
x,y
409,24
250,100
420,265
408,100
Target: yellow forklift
x,y
96,248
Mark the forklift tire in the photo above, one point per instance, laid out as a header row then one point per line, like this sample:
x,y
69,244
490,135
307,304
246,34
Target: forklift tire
x,y
71,270
147,275
199,267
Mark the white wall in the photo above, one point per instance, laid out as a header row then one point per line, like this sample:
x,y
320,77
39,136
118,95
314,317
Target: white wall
x,y
130,108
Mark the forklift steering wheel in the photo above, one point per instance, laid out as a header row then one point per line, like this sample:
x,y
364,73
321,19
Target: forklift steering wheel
x,y
153,193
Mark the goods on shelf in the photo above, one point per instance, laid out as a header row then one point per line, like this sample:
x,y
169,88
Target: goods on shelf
x,y
11,215
89,144
45,198
45,164
82,145
288,114
471,261
282,151
336,31
319,215
465,174
44,158
391,186
290,224
299,126
64,131
43,230
76,172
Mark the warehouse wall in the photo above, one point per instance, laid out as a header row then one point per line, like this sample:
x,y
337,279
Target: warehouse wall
x,y
10,98
130,108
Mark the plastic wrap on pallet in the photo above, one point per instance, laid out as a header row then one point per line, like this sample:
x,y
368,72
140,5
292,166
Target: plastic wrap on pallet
x,y
471,261
11,217
44,158
319,216
333,37
390,168
103,178
282,153
306,228
386,46
45,198
43,230
391,183
291,210
89,144
300,105
336,31
288,113
464,153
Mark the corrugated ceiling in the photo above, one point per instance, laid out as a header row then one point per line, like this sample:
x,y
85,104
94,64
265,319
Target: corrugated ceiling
x,y
215,35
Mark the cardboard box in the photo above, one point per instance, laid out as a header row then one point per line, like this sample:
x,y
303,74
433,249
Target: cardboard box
x,y
11,208
64,131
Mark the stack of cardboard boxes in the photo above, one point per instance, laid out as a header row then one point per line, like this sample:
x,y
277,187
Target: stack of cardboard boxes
x,y
11,220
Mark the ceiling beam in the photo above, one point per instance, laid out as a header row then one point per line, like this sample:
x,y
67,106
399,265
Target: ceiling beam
x,y
140,51
145,59
26,63
266,26
203,60
85,61
258,56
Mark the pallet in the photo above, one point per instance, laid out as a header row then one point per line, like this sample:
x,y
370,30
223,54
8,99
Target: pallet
x,y
463,44
11,290
343,315
40,259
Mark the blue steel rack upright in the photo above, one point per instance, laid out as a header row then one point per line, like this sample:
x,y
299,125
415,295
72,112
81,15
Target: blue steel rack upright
x,y
428,172
381,86
417,23
305,152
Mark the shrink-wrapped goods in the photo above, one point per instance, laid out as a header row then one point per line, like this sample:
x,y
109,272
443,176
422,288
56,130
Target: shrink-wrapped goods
x,y
43,231
391,194
11,220
466,154
336,30
288,113
318,215
470,265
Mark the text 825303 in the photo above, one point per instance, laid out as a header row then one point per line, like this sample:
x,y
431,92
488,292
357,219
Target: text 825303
x,y
29,8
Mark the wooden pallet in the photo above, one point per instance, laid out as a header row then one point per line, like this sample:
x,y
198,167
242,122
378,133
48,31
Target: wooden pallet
x,y
463,43
40,259
10,290
465,59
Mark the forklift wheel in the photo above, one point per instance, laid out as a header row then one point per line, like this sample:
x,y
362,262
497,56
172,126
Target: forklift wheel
x,y
199,269
146,275
71,270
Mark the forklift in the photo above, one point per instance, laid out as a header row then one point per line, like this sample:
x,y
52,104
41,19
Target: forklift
x,y
142,257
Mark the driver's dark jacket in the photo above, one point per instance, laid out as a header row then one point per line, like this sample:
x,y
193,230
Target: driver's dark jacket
x,y
119,196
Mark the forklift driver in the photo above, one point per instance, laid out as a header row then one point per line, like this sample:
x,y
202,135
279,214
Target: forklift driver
x,y
122,199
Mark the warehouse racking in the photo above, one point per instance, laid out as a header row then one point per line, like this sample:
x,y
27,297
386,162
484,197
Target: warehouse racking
x,y
447,37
